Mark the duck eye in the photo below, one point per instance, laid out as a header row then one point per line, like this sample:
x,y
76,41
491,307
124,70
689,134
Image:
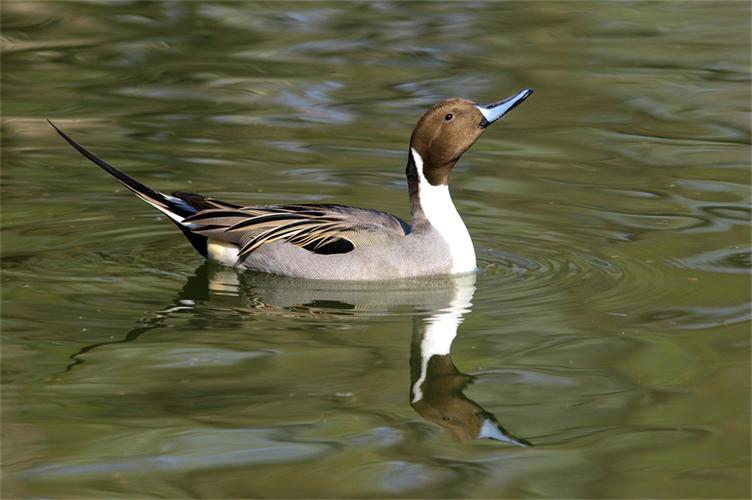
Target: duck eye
x,y
448,116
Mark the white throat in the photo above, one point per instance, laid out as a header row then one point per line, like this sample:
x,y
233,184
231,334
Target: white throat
x,y
439,210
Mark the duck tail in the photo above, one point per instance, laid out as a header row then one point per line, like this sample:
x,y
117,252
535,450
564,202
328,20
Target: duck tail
x,y
174,207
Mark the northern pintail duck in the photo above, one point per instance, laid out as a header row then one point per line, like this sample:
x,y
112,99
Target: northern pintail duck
x,y
337,242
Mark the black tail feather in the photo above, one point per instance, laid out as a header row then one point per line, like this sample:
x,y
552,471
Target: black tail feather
x,y
174,205
199,241
128,181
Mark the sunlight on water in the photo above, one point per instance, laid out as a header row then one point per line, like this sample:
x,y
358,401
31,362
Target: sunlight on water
x,y
601,351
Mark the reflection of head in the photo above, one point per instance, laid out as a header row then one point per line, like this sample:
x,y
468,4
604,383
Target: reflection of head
x,y
440,399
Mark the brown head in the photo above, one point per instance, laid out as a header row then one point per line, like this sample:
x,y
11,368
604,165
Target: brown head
x,y
450,127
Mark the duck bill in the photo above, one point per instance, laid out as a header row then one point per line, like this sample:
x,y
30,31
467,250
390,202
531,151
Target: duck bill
x,y
492,112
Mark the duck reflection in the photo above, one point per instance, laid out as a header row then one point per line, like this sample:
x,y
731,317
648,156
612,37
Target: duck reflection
x,y
439,306
436,385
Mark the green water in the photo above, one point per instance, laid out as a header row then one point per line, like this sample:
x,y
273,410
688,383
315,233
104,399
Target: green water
x,y
608,324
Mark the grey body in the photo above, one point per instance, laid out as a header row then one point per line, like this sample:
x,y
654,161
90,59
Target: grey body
x,y
396,256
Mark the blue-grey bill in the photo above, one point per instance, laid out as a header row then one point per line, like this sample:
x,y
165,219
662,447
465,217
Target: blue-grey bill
x,y
492,112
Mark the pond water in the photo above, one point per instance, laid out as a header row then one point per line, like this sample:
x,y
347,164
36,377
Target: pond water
x,y
605,340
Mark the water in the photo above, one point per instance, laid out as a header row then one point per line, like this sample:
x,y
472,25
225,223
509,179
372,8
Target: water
x,y
608,325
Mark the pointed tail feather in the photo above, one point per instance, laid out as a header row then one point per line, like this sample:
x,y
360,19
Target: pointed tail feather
x,y
173,207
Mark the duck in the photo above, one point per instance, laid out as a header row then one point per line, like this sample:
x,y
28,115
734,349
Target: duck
x,y
337,242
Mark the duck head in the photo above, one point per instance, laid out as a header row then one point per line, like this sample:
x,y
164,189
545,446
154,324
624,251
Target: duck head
x,y
450,127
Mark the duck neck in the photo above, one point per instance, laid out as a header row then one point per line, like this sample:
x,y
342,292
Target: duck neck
x,y
432,207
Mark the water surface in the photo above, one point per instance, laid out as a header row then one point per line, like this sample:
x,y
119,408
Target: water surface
x,y
608,326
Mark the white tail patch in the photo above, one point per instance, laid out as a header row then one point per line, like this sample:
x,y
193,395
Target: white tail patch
x,y
439,209
222,252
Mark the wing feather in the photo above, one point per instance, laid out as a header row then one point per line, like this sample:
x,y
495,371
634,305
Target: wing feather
x,y
318,228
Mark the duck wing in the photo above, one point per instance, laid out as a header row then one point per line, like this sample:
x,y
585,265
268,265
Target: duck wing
x,y
320,228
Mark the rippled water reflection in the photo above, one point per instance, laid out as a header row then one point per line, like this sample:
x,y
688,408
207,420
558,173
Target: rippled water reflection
x,y
608,326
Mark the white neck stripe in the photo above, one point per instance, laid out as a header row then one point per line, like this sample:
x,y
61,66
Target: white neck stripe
x,y
438,209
